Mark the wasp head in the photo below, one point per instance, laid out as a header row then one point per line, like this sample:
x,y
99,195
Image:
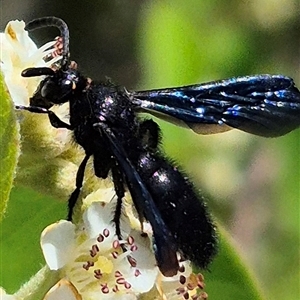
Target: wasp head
x,y
56,88
60,80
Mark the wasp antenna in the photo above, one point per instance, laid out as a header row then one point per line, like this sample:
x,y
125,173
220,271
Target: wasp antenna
x,y
64,33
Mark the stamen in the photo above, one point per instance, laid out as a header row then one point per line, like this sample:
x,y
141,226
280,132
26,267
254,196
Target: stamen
x,y
87,265
131,260
133,248
180,290
48,55
104,289
106,232
196,280
115,289
94,250
127,285
100,238
116,244
47,46
58,46
203,296
130,240
200,281
98,274
182,279
181,269
120,280
118,274
39,54
53,61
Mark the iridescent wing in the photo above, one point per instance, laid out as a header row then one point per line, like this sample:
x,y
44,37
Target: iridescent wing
x,y
264,105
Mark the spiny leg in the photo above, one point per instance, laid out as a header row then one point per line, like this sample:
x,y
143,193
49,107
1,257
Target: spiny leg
x,y
53,118
79,180
119,188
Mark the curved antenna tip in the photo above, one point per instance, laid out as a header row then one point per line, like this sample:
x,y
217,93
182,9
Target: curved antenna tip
x,y
64,32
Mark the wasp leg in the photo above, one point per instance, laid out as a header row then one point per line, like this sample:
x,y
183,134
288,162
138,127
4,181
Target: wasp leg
x,y
149,133
119,188
53,118
79,180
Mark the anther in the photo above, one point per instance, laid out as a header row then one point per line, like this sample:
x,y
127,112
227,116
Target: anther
x,y
106,232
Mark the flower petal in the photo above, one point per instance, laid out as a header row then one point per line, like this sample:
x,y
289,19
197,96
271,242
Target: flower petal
x,y
98,217
63,290
146,270
58,243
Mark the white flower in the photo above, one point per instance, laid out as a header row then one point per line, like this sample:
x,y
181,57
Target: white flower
x,y
93,259
19,52
99,265
39,139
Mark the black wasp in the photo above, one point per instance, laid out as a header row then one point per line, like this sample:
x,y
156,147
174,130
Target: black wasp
x,y
103,118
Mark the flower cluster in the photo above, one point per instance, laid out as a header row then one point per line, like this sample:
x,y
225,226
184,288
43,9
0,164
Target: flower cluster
x,y
39,140
95,261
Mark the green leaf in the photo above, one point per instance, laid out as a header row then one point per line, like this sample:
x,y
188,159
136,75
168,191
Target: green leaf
x,y
229,277
28,213
9,143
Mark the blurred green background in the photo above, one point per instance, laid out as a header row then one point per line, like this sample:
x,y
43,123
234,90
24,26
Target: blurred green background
x,y
252,183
